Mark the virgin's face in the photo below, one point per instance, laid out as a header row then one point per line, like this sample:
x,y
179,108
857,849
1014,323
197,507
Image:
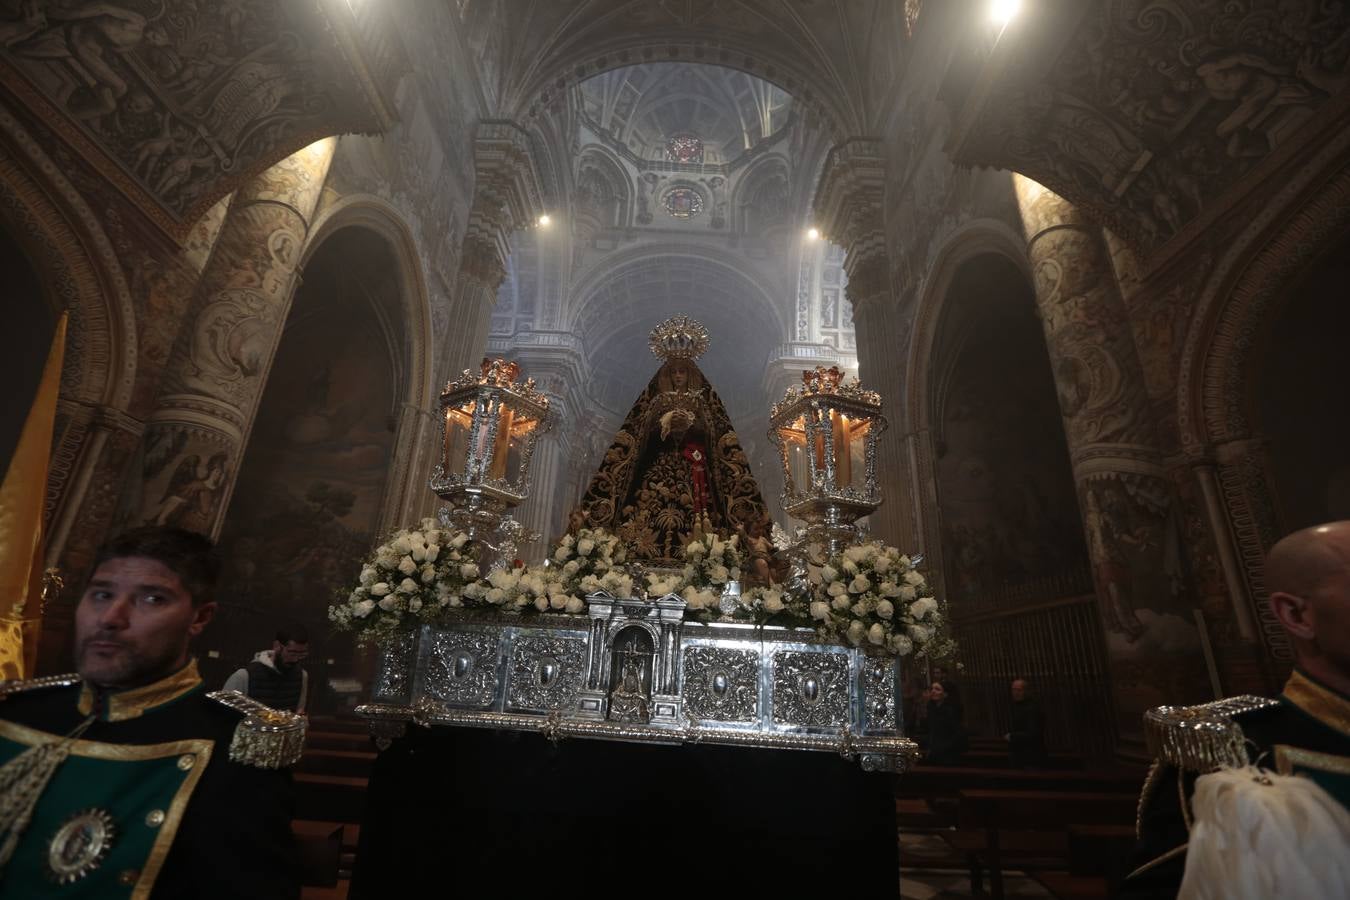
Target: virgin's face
x,y
679,378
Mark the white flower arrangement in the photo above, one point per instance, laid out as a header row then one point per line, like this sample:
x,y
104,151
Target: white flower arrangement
x,y
873,595
590,560
710,563
413,577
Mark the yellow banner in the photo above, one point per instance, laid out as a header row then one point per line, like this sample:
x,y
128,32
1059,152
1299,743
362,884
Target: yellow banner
x,y
21,543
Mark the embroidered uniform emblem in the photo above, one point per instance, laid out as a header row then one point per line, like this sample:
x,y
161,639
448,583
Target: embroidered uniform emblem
x,y
79,845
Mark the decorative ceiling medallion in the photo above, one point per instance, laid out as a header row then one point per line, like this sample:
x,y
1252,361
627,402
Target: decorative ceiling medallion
x,y
683,202
684,148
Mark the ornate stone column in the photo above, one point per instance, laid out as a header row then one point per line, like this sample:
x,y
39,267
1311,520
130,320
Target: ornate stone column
x,y
216,371
506,198
849,204
1156,651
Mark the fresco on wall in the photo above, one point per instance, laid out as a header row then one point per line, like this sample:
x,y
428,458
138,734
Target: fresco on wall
x,y
314,473
1011,526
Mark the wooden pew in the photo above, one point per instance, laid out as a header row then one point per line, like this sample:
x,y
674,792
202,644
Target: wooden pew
x,y
990,821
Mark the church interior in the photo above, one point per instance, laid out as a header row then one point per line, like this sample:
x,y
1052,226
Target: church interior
x,y
1085,251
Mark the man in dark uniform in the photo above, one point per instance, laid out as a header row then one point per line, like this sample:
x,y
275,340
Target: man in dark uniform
x,y
1305,731
128,779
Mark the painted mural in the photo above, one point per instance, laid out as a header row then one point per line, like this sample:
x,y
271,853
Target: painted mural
x,y
314,474
1011,527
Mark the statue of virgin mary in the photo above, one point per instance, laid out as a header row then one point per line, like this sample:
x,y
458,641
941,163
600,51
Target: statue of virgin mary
x,y
676,465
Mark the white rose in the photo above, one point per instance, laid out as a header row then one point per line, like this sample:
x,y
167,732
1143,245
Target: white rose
x,y
368,576
408,586
459,540
571,568
857,554
560,555
856,632
829,574
882,563
907,593
859,585
428,573
363,609
850,567
695,548
720,574
862,608
468,570
841,603
820,610
388,603
401,544
585,546
885,609
920,633
913,577
503,578
455,600
923,607
901,645
575,605
876,634
407,566
475,591
773,601
379,589
889,589
496,596
558,601
541,604
837,589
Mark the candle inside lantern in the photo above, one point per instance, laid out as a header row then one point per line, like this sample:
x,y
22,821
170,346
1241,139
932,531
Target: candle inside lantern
x,y
843,471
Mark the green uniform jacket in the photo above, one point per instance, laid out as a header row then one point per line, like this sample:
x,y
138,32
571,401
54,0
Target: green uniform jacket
x,y
1306,731
149,803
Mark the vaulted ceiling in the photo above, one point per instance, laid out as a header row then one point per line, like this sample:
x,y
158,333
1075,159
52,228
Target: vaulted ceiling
x,y
817,50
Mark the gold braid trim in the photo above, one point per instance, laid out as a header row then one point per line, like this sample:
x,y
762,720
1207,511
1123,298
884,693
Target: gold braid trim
x,y
267,738
1201,738
20,686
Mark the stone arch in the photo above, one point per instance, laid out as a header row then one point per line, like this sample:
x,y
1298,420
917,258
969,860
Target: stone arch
x,y
763,196
1242,297
77,266
416,384
603,187
581,295
549,79
918,417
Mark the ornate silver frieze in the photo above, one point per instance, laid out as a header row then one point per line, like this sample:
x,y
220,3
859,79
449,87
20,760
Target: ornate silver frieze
x,y
721,684
878,680
633,670
461,668
393,683
546,672
810,689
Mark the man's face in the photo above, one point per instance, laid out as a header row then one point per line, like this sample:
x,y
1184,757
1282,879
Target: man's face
x,y
1019,689
290,653
133,623
1330,603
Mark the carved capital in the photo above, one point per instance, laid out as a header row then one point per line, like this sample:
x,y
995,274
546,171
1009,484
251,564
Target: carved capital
x,y
848,201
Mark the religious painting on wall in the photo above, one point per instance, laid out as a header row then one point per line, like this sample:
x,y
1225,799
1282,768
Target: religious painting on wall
x,y
313,477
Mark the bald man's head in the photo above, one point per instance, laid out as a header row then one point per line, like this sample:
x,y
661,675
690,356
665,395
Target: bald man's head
x,y
1308,578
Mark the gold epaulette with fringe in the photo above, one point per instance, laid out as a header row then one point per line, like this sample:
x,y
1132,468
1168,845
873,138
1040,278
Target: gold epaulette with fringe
x,y
267,738
23,685
1202,738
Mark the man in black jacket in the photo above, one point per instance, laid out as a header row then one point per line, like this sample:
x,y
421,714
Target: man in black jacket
x,y
275,677
1026,729
128,778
